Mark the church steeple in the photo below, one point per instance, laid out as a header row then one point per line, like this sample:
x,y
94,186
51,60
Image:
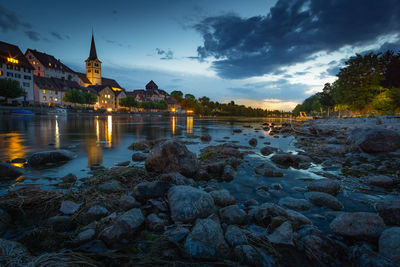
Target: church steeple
x,y
93,65
93,53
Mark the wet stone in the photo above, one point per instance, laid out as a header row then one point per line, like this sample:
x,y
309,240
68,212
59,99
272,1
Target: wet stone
x,y
69,207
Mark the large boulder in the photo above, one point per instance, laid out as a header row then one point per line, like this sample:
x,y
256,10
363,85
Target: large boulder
x,y
172,156
232,215
123,228
51,156
379,180
389,211
10,171
267,170
282,235
374,140
291,160
222,198
294,203
389,244
358,225
206,241
188,203
146,190
264,213
235,237
325,185
324,200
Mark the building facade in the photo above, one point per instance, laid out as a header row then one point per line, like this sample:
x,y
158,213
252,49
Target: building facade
x,y
93,66
13,65
48,66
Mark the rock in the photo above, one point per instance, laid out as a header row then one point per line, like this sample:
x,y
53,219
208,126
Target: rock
x,y
205,138
139,156
294,203
389,244
123,228
171,156
374,140
69,207
253,142
69,178
389,211
276,186
188,203
324,200
95,213
5,220
252,256
128,202
358,225
146,190
10,171
297,219
249,203
110,187
267,170
176,178
290,160
51,156
325,185
232,215
228,173
85,236
237,130
176,234
379,180
97,167
282,235
62,223
222,198
141,145
267,150
18,160
122,163
364,255
235,237
263,214
155,223
206,241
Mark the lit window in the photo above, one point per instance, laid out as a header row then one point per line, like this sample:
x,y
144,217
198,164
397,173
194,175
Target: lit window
x,y
50,92
1,73
12,60
105,101
51,99
44,98
56,99
44,91
49,64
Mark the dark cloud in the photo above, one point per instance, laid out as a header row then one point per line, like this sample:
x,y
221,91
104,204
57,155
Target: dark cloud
x,y
301,73
9,21
59,36
292,32
281,89
34,36
114,42
165,55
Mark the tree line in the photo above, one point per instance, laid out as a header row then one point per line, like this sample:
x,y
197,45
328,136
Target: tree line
x,y
368,84
130,101
205,107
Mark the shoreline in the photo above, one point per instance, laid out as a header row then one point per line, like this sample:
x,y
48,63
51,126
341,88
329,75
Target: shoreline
x,y
131,210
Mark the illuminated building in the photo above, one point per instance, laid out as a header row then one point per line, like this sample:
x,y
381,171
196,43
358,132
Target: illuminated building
x,y
15,66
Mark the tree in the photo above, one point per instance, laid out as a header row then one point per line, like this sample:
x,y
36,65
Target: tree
x,y
190,97
89,98
10,89
178,95
128,101
74,96
205,101
326,97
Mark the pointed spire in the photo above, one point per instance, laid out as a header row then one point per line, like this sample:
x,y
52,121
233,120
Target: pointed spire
x,y
93,53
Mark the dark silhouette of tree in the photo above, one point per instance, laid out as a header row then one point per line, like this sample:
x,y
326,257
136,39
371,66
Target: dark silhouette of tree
x,y
10,89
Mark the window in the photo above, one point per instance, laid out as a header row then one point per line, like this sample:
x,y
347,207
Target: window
x,y
17,68
26,84
96,71
51,99
50,92
17,75
89,64
56,99
49,64
9,74
27,77
56,92
1,73
30,56
44,91
9,67
89,71
96,64
105,101
44,98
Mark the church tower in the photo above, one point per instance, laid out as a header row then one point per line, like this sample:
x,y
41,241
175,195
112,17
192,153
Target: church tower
x,y
93,65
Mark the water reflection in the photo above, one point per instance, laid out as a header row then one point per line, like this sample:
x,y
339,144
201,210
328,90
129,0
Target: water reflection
x,y
173,124
109,130
12,144
189,125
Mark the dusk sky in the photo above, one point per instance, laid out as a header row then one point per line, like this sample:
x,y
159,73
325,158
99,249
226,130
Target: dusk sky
x,y
264,53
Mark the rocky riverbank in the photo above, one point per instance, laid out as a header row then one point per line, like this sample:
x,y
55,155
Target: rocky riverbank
x,y
174,210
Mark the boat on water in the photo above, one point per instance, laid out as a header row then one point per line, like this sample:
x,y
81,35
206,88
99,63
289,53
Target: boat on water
x,y
22,112
58,111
